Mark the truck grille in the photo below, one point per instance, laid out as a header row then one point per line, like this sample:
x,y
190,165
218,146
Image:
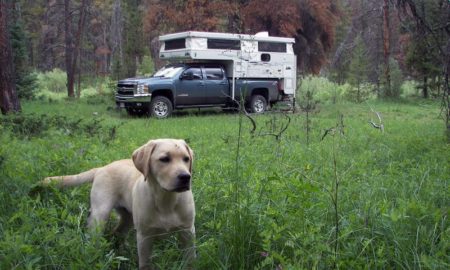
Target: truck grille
x,y
125,89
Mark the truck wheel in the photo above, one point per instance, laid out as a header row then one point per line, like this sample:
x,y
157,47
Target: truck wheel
x,y
160,107
258,104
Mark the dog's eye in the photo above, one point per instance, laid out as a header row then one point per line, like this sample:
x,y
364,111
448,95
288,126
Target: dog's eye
x,y
186,159
165,159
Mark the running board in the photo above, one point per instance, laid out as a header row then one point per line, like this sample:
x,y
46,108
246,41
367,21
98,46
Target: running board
x,y
199,106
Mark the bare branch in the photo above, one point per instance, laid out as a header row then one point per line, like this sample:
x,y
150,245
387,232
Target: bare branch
x,y
330,131
252,121
339,128
284,127
380,124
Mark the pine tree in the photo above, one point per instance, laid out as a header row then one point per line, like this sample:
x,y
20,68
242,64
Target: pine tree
x,y
147,67
25,78
9,100
358,70
396,77
424,62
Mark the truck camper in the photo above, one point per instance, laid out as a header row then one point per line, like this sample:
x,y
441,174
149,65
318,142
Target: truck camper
x,y
214,69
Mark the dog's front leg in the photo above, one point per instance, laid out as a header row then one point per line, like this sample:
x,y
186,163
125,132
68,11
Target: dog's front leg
x,y
187,240
144,245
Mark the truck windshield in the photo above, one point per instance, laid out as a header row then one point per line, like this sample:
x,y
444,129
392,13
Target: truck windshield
x,y
167,72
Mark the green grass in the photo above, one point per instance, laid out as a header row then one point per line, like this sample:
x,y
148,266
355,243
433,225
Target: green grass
x,y
264,205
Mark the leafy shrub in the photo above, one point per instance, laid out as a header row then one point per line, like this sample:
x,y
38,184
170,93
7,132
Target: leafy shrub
x,y
52,86
89,92
363,92
98,87
327,92
53,81
46,95
324,90
410,88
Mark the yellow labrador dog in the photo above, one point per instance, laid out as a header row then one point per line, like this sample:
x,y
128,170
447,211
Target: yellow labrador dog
x,y
151,191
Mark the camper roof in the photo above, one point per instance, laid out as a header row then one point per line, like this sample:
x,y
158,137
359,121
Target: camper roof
x,y
262,36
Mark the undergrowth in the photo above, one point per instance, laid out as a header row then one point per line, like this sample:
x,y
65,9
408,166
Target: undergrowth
x,y
26,126
262,202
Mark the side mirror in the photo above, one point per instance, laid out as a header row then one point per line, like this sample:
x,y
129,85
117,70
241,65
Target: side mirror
x,y
187,76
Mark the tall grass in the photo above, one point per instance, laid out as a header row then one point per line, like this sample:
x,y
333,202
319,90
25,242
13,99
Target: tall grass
x,y
261,203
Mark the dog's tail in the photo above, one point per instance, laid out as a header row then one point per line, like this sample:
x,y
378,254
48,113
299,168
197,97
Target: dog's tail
x,y
71,180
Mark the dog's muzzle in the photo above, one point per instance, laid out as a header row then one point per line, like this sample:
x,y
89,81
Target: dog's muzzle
x,y
184,182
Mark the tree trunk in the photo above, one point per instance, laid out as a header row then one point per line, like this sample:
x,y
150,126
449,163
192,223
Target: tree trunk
x,y
9,100
116,35
73,45
386,47
446,93
425,87
69,49
78,38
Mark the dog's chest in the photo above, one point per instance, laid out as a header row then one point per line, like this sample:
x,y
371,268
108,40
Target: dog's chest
x,y
163,217
168,222
154,212
163,222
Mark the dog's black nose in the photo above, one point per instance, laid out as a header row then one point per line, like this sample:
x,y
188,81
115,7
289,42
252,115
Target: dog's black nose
x,y
184,178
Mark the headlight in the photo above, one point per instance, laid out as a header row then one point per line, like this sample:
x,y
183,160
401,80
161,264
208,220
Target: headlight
x,y
141,89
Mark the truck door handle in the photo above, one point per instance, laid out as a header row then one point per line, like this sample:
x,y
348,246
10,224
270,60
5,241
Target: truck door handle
x,y
223,83
202,84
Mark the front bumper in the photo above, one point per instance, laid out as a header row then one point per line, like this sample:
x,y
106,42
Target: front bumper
x,y
135,101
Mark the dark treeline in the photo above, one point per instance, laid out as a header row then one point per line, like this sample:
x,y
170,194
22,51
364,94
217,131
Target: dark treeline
x,y
354,41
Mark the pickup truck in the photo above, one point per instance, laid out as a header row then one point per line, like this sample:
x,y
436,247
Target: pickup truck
x,y
195,85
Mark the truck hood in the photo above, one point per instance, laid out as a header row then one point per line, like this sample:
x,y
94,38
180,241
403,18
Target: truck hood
x,y
146,80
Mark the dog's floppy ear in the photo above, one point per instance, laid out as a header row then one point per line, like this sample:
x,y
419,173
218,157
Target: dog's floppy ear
x,y
191,156
141,157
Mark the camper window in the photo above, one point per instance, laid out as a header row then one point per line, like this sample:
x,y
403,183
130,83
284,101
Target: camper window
x,y
271,47
224,44
265,57
175,44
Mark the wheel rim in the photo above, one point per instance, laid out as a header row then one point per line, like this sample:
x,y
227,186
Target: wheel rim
x,y
160,109
258,106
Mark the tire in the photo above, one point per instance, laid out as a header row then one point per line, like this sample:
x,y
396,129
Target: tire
x,y
160,107
258,104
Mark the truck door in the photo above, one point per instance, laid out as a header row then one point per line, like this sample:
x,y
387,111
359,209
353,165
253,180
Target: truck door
x,y
217,86
190,87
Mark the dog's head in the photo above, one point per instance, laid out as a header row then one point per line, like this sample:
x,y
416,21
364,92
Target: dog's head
x,y
166,161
